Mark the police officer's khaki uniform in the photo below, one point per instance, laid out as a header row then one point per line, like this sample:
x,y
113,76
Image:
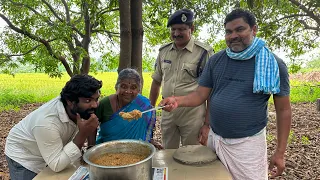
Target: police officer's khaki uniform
x,y
178,71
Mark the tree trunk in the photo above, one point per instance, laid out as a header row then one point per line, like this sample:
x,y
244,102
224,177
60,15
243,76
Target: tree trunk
x,y
85,64
125,35
318,104
85,67
137,36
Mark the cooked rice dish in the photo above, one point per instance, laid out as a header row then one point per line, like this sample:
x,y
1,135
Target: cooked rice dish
x,y
135,114
118,159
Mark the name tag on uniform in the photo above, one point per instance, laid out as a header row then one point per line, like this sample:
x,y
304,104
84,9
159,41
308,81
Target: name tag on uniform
x,y
167,61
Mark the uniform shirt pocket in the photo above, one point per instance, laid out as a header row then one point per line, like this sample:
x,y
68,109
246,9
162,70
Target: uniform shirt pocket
x,y
189,72
166,71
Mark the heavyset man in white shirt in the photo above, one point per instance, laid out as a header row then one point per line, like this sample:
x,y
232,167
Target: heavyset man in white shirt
x,y
54,134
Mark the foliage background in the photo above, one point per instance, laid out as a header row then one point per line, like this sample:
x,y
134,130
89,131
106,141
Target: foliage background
x,y
59,35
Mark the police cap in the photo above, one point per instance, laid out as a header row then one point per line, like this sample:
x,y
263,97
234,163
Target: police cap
x,y
182,16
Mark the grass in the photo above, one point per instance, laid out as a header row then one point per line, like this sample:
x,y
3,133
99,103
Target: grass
x,y
304,92
38,87
306,70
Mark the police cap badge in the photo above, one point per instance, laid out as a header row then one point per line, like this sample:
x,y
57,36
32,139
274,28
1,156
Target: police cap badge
x,y
182,16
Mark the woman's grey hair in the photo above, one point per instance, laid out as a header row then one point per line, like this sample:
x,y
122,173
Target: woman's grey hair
x,y
128,73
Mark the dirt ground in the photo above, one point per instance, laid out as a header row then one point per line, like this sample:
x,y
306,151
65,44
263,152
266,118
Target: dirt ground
x,y
303,152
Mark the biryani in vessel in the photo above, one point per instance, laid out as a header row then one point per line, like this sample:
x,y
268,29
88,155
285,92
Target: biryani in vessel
x,y
126,159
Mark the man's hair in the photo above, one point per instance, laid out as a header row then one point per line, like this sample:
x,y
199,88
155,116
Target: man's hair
x,y
246,15
79,86
128,73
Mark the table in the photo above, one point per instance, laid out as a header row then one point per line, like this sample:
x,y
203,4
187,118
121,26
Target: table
x,y
162,158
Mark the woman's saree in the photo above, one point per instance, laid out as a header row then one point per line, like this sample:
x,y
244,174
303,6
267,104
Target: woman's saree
x,y
118,128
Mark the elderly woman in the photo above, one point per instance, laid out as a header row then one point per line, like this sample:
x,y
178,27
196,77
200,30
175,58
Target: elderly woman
x,y
126,99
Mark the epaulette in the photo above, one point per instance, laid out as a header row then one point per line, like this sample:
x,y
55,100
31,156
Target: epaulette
x,y
165,45
203,45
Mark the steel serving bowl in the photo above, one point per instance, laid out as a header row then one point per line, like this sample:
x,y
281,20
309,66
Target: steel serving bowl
x,y
141,170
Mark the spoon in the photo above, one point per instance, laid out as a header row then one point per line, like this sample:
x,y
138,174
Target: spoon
x,y
153,109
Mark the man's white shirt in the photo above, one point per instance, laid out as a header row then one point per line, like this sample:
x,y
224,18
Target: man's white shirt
x,y
44,137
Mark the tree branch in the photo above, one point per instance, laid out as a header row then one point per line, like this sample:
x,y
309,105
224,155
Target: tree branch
x,y
86,39
100,13
75,12
76,22
105,10
73,27
66,65
77,41
48,20
105,31
18,30
289,16
85,66
79,19
309,27
273,38
305,9
29,51
33,10
25,5
52,10
73,51
25,53
67,10
77,30
38,39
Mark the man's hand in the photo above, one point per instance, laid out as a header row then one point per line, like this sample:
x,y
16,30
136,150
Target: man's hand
x,y
277,164
87,127
203,134
170,103
157,145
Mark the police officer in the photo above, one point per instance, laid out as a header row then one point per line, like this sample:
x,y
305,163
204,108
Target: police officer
x,y
178,66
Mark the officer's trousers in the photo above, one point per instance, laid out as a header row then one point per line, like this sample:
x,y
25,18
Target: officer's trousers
x,y
182,125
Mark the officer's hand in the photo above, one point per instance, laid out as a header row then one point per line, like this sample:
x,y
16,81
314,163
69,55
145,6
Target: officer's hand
x,y
203,134
87,127
170,103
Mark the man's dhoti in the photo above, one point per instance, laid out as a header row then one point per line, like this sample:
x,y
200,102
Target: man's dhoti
x,y
245,158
